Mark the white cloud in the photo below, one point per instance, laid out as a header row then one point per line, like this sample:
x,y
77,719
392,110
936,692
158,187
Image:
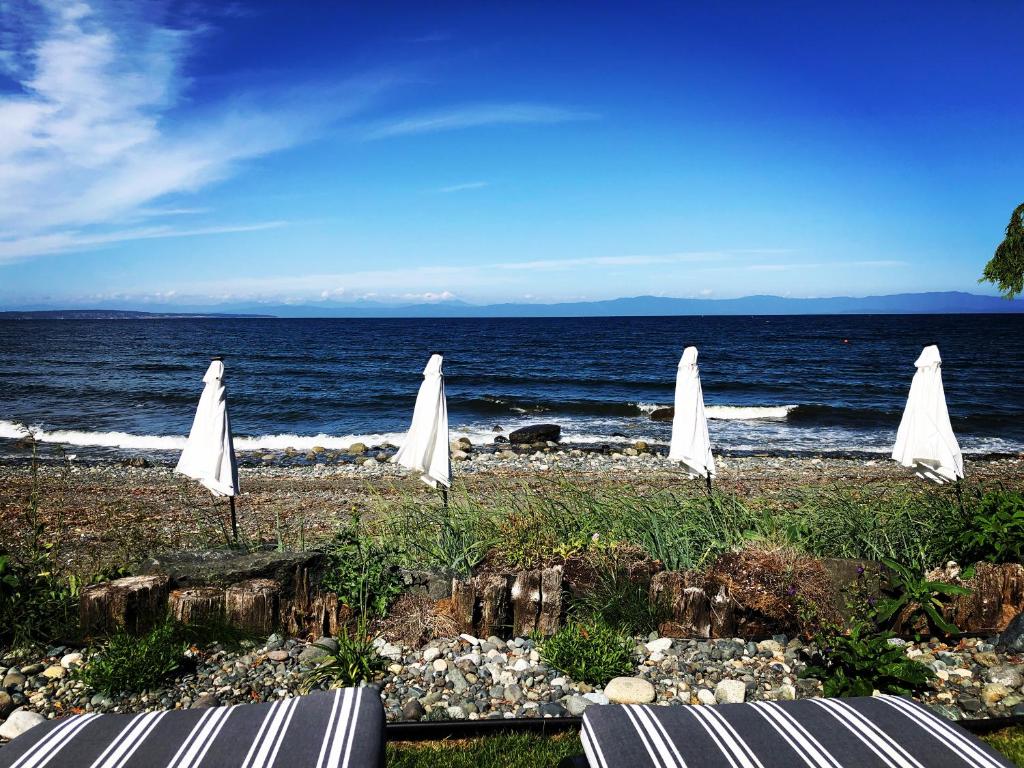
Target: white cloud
x,y
464,187
474,115
92,139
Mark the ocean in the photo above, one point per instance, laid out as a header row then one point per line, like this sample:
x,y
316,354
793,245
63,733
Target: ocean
x,y
787,385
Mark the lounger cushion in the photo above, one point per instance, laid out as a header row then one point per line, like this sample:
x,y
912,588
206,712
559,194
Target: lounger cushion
x,y
884,731
322,730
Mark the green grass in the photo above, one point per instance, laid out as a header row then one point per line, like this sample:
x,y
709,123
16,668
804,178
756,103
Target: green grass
x,y
505,751
1009,742
532,751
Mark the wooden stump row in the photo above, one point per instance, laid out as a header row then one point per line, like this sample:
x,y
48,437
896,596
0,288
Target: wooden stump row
x,y
509,604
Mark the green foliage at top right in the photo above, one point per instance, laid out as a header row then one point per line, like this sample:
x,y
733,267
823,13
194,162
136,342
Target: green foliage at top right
x,y
993,530
1006,267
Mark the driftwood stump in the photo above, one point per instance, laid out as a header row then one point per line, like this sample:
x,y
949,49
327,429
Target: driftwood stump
x,y
199,605
133,603
537,602
480,605
253,605
997,595
310,612
698,609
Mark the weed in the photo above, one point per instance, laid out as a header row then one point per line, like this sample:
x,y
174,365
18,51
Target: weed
x,y
129,663
918,601
993,530
590,652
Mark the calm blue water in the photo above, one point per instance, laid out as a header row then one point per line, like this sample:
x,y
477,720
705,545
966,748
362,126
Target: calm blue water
x,y
771,383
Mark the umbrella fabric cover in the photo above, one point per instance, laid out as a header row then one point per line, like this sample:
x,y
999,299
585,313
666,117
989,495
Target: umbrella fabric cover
x,y
426,446
925,439
209,454
690,442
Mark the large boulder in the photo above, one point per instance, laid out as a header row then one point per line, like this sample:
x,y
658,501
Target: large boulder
x,y
222,568
663,414
629,690
536,433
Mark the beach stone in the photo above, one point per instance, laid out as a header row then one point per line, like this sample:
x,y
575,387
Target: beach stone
x,y
413,710
663,414
430,654
730,692
440,665
535,433
6,704
13,679
660,645
706,697
1006,675
20,721
993,693
55,672
576,705
357,448
205,701
630,690
1013,636
71,660
278,656
595,697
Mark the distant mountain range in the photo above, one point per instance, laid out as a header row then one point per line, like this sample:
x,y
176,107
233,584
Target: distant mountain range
x,y
950,302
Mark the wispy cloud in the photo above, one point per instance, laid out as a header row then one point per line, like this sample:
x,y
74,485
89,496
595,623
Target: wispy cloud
x,y
475,115
91,139
465,187
616,261
58,242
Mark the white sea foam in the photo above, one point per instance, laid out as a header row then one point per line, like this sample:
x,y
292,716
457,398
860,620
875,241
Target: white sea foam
x,y
733,412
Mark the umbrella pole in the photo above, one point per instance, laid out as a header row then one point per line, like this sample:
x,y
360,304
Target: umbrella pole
x,y
707,478
234,520
960,497
444,497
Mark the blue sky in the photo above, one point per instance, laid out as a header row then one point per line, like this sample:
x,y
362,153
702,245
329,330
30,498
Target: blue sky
x,y
159,154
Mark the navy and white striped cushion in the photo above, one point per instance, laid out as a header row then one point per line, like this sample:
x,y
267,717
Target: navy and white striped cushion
x,y
337,729
879,732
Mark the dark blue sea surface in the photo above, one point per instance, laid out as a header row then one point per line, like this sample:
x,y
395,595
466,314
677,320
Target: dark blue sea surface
x,y
775,384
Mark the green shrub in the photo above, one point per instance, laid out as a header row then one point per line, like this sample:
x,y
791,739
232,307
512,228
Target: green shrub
x,y
620,600
355,661
589,652
862,661
362,572
128,663
917,601
992,530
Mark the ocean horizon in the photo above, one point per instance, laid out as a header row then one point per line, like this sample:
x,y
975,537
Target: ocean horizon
x,y
793,385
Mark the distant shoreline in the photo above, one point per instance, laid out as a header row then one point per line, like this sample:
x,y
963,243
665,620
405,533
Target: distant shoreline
x,y
935,303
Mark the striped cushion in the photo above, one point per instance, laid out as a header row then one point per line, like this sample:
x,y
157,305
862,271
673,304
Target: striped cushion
x,y
885,731
322,730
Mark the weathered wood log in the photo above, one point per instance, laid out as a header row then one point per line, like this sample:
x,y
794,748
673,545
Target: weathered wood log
x,y
537,601
997,595
133,604
493,595
199,605
698,606
253,605
463,603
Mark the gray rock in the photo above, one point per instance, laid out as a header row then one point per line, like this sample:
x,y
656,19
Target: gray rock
x,y
535,433
730,692
513,693
1006,675
205,701
576,705
6,704
13,679
20,721
630,690
1013,636
413,710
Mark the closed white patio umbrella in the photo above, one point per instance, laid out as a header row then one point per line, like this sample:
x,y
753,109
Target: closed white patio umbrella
x,y
209,454
425,448
690,442
925,441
